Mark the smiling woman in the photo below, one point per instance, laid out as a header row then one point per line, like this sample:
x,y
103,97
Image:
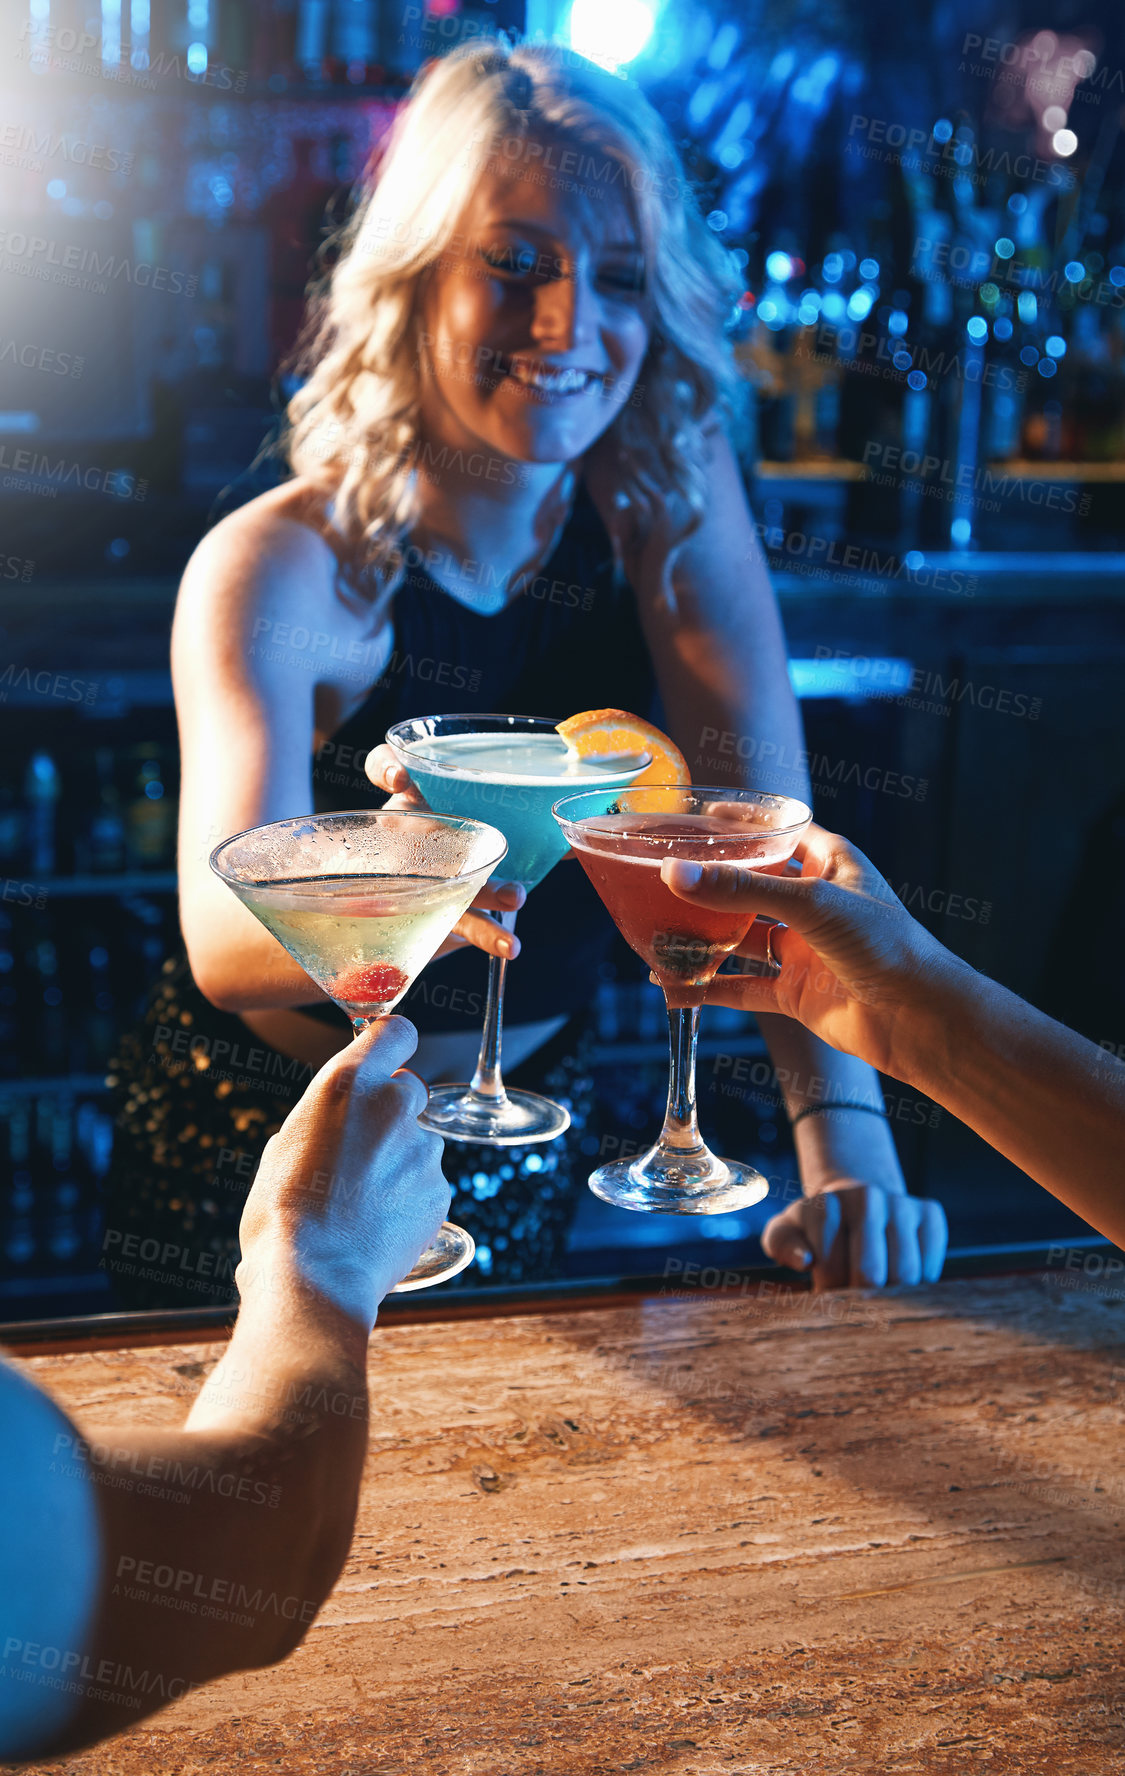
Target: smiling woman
x,y
529,271
513,476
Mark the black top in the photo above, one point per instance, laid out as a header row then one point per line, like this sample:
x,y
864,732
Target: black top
x,y
570,640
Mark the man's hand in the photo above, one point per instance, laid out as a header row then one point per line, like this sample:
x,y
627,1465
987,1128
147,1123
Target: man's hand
x,y
474,926
350,1189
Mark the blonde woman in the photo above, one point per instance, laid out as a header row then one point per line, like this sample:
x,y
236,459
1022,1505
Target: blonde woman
x,y
513,488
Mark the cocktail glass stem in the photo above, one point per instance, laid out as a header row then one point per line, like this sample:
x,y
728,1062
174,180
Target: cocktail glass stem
x,y
449,1252
484,1110
680,1153
679,1175
487,1081
680,1133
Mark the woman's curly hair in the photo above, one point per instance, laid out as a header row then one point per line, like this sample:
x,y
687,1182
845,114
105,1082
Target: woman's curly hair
x,y
353,427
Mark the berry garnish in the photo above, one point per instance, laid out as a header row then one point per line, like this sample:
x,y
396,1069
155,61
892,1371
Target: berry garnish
x,y
371,983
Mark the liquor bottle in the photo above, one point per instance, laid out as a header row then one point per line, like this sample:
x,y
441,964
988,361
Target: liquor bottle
x,y
150,815
13,831
46,995
41,789
10,1027
17,1230
99,1026
63,1191
105,840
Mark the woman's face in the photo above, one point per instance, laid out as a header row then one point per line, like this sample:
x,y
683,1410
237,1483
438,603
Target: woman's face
x,y
535,319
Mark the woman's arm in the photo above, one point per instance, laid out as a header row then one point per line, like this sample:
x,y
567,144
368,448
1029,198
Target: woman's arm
x,y
245,709
721,663
210,1549
718,648
856,968
251,712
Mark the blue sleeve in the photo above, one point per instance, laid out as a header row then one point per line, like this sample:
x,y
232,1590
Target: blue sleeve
x,y
49,1566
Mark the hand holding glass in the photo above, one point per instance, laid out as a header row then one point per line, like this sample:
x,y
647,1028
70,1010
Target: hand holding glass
x,y
362,901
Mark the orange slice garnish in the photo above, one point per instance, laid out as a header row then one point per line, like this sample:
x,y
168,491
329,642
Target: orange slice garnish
x,y
614,733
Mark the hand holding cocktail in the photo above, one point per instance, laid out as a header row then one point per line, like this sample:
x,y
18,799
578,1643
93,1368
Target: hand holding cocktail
x,y
859,961
858,971
852,961
351,1188
362,900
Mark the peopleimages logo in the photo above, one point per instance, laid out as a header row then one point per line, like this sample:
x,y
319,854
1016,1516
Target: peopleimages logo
x,y
44,683
61,49
942,261
41,357
26,145
36,256
934,475
36,472
881,138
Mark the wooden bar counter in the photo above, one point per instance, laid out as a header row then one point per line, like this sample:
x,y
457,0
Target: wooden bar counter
x,y
749,1532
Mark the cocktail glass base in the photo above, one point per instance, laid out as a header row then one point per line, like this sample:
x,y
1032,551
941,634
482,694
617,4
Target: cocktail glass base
x,y
451,1251
714,1188
514,1120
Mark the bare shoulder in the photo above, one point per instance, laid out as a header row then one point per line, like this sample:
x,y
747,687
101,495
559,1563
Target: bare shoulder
x,y
271,556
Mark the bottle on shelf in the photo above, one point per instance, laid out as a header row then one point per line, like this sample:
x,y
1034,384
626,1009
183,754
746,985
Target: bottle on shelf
x,y
13,831
57,1147
41,791
51,1027
150,811
103,848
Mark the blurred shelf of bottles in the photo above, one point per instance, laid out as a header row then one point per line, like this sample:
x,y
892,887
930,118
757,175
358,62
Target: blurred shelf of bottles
x,y
54,1151
932,295
87,903
937,414
87,917
914,304
256,48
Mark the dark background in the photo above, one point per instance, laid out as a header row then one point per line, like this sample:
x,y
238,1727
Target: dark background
x,y
926,204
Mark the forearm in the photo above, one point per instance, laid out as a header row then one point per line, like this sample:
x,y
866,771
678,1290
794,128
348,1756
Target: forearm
x,y
234,961
731,728
1043,1096
220,1541
835,1144
722,668
245,978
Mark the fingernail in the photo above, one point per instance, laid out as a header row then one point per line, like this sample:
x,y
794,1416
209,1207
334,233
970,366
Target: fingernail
x,y
688,874
504,946
802,1258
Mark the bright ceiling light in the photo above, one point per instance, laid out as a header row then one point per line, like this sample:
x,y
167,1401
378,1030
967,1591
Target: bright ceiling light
x,y
610,32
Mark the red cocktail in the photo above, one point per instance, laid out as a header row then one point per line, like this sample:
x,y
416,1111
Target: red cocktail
x,y
621,851
683,945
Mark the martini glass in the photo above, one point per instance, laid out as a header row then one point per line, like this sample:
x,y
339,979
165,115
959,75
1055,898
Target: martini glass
x,y
362,901
621,844
507,769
